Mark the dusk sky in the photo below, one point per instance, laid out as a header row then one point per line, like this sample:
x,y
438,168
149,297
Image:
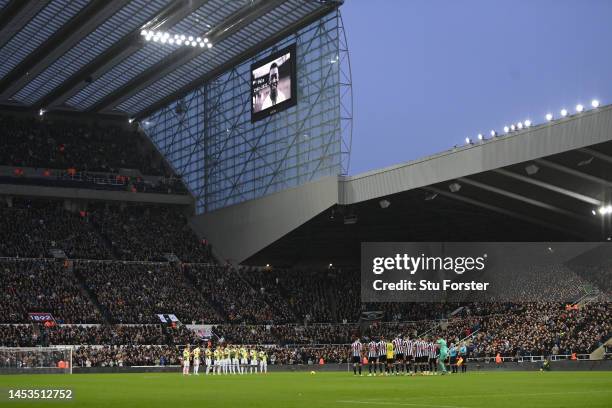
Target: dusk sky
x,y
429,73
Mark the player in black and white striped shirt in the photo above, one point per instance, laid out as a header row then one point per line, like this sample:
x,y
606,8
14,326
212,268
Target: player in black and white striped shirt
x,y
409,356
398,346
372,355
356,349
382,354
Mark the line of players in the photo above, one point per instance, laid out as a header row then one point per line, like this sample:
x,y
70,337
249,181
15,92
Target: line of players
x,y
407,356
226,360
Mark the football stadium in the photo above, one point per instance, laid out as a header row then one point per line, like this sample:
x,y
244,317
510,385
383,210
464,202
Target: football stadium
x,y
180,224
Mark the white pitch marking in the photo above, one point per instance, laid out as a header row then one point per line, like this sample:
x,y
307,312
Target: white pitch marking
x,y
400,403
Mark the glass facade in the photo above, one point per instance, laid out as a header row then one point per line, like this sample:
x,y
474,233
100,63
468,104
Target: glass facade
x,y
225,159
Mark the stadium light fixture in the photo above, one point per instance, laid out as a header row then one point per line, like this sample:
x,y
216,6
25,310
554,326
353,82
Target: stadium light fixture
x,y
527,123
493,133
579,108
175,39
519,125
454,187
384,203
512,127
605,209
506,129
549,117
563,112
480,137
468,140
595,103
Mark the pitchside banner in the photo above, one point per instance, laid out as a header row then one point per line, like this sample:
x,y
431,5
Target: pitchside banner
x,y
484,271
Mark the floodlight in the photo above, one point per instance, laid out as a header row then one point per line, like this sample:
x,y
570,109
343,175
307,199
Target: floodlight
x,y
579,108
564,112
605,209
595,103
549,117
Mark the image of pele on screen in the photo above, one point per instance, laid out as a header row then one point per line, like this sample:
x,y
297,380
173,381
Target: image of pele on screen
x,y
273,83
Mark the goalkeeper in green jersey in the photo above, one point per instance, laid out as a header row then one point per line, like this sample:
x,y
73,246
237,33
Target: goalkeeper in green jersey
x,y
443,355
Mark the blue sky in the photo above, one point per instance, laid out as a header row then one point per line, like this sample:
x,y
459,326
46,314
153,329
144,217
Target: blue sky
x,y
429,73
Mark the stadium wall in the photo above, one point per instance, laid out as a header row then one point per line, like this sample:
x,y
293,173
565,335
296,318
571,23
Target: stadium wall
x,y
93,195
243,229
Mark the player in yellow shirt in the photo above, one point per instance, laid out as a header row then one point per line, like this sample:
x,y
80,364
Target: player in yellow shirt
x,y
196,360
263,362
253,355
208,359
186,356
235,360
390,357
226,359
218,356
244,360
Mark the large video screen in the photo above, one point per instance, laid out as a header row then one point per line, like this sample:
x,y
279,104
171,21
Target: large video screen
x,y
273,83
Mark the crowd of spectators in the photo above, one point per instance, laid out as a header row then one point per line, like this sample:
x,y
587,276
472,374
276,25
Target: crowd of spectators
x,y
146,233
28,335
34,228
223,286
125,355
57,144
536,329
138,292
304,292
543,329
29,286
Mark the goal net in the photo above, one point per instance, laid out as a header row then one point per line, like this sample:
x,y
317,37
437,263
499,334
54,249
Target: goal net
x,y
35,360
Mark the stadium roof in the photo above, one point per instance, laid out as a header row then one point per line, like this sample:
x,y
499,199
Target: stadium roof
x,y
545,183
88,55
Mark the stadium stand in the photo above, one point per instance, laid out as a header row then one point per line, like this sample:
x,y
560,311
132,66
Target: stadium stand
x,y
62,144
125,263
43,286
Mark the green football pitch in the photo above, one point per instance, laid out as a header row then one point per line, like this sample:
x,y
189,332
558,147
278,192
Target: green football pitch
x,y
477,389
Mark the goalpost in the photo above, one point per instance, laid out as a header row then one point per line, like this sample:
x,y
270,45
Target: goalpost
x,y
36,360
